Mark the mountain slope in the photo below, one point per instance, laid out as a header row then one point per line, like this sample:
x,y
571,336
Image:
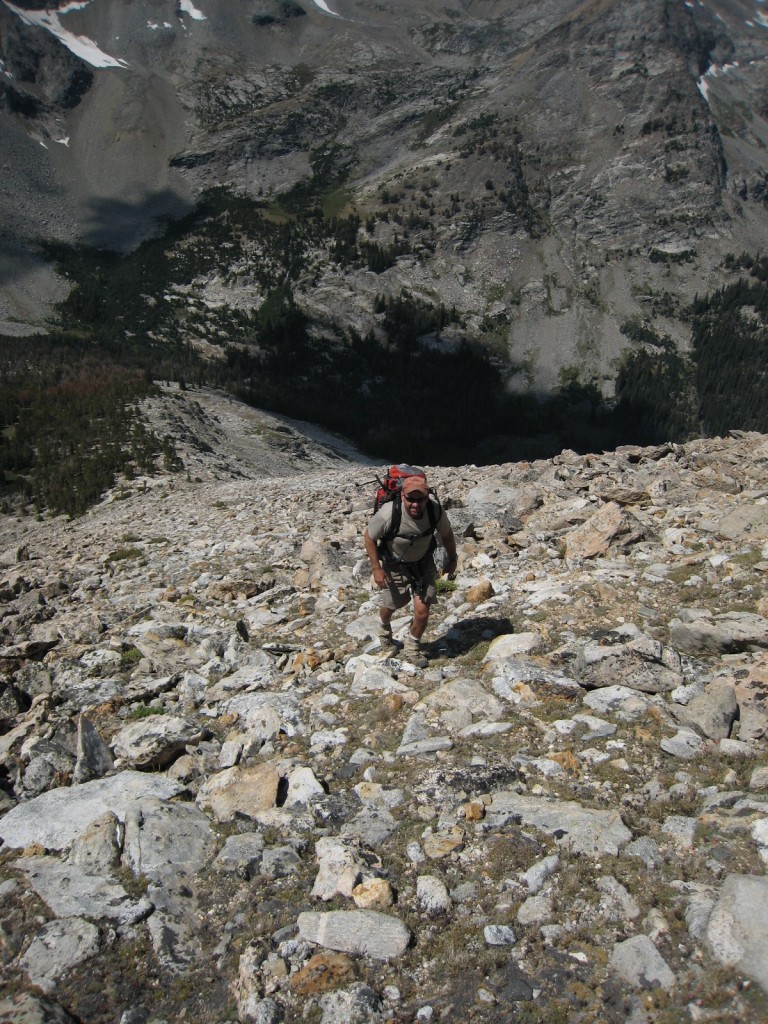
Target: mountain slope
x,y
218,802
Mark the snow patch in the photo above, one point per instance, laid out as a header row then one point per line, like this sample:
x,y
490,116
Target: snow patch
x,y
715,71
324,7
187,7
80,46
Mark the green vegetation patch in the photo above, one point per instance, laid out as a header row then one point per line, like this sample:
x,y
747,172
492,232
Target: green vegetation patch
x,y
122,553
730,345
70,423
144,712
130,658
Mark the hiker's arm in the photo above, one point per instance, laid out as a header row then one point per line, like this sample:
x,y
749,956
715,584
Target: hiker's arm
x,y
380,576
449,542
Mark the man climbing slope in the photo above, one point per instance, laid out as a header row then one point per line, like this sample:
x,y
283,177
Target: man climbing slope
x,y
400,541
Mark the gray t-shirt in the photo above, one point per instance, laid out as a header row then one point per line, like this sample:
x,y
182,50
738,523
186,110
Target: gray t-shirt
x,y
408,546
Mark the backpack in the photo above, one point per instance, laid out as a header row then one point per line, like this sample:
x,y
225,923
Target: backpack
x,y
390,489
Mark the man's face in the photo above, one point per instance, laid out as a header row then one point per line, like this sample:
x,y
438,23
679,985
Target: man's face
x,y
414,502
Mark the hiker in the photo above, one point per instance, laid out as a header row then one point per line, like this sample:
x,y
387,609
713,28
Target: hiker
x,y
403,566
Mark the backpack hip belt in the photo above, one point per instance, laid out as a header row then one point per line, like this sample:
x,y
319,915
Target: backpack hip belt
x,y
414,570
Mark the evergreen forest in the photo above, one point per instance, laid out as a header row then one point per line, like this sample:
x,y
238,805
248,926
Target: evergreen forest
x,y
70,400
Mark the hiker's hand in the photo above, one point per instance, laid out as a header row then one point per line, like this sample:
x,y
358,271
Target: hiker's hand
x,y
450,568
380,577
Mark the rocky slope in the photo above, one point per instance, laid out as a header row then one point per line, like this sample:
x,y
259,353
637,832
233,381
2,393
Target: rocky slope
x,y
550,170
219,804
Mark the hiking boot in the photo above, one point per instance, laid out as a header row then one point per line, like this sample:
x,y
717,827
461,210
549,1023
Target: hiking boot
x,y
388,646
413,653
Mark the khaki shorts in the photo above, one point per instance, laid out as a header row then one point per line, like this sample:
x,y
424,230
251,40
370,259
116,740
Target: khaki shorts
x,y
403,584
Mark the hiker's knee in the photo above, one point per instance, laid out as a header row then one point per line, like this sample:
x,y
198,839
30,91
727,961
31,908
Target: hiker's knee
x,y
420,612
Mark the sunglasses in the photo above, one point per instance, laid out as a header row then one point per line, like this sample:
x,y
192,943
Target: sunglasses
x,y
415,499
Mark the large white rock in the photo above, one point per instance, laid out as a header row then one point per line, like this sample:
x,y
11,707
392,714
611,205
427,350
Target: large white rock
x,y
261,716
71,892
340,866
432,894
512,645
55,818
465,693
303,787
155,741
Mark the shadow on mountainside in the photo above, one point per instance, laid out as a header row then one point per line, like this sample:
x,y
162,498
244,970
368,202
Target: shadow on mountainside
x,y
112,223
466,634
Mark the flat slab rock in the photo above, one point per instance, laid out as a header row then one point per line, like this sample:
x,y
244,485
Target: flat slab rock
x,y
71,892
364,932
640,965
167,842
56,818
583,829
57,948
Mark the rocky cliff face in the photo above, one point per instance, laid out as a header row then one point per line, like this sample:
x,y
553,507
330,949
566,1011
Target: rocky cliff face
x,y
557,168
219,803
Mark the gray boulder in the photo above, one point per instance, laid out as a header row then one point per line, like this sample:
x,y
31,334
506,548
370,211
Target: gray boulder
x,y
737,932
57,948
728,633
712,713
24,1008
155,741
69,891
640,965
640,664
94,758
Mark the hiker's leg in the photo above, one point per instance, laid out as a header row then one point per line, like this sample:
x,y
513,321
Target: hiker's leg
x,y
420,617
395,596
388,646
424,596
412,649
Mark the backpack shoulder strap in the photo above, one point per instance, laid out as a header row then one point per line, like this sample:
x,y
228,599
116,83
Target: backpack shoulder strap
x,y
394,523
434,510
397,517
